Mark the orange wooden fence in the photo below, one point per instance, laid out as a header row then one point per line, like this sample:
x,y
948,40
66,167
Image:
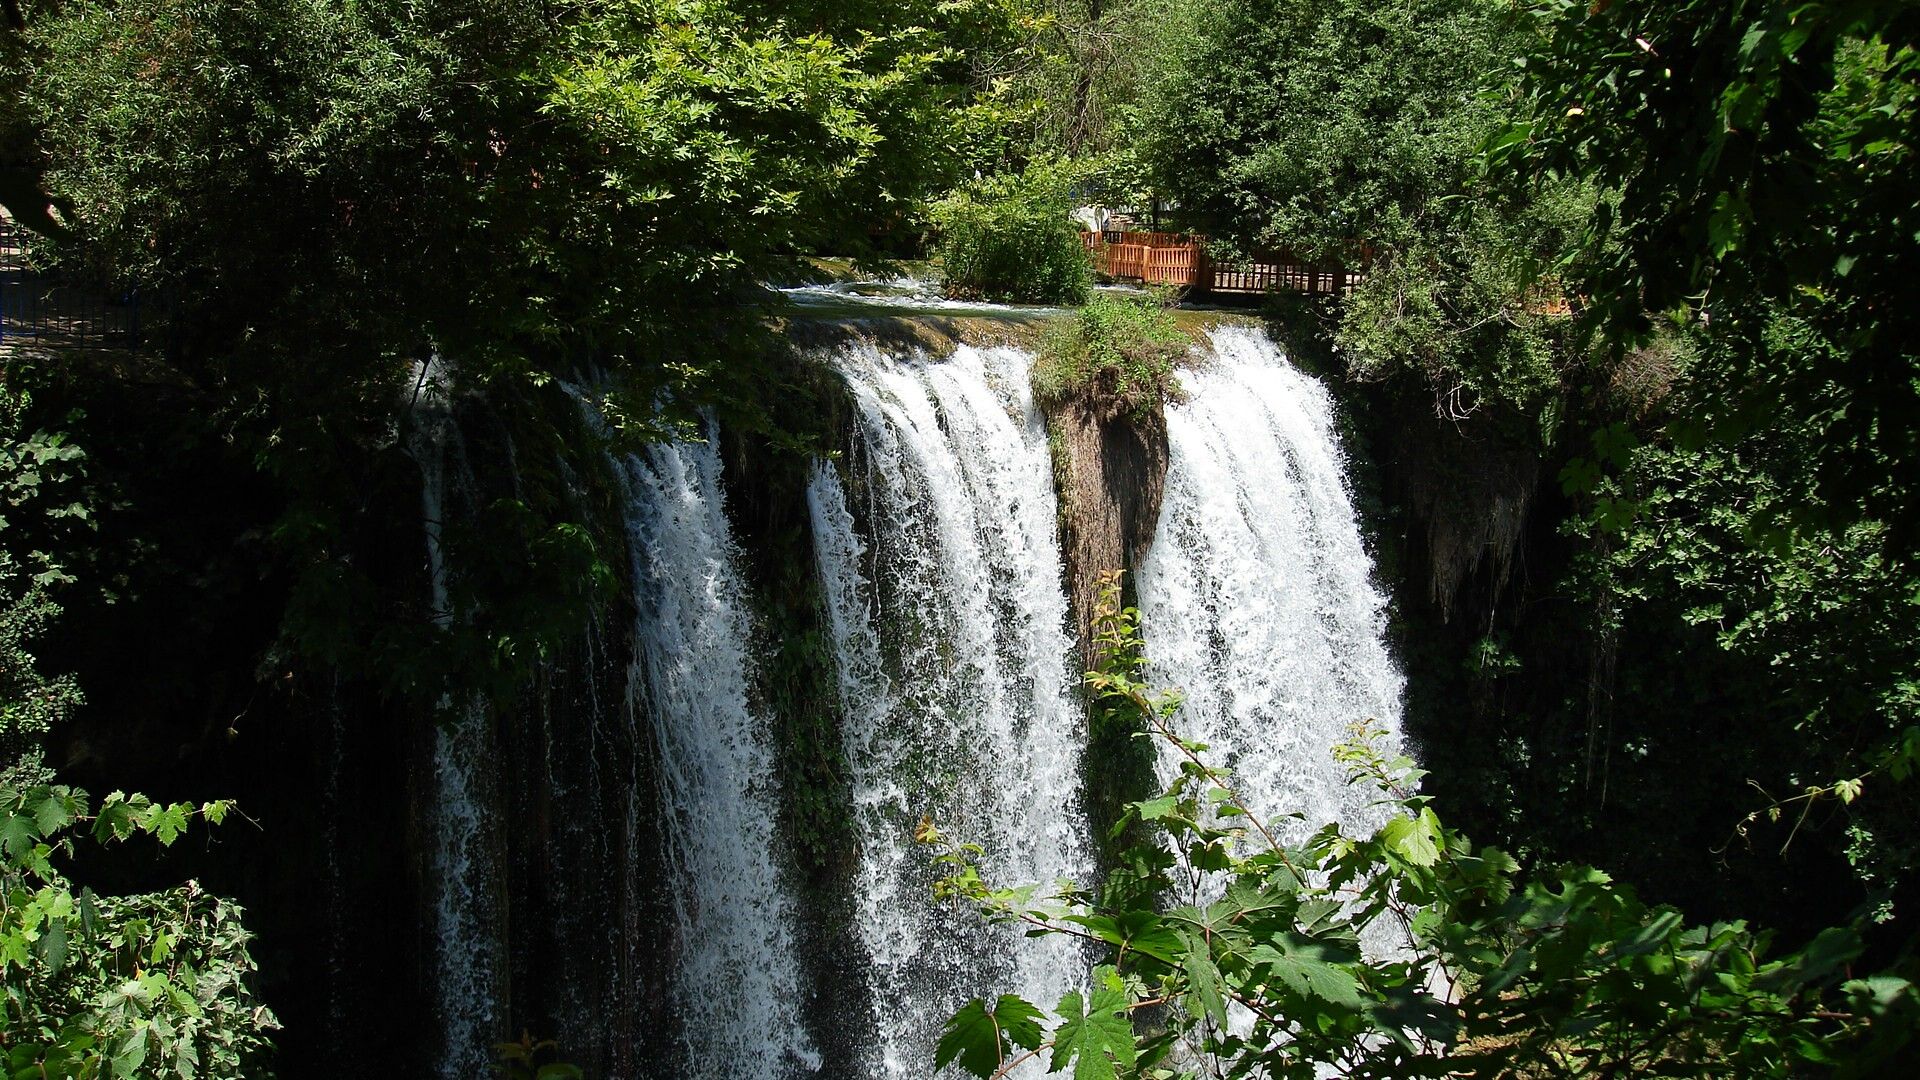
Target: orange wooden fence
x,y
1159,258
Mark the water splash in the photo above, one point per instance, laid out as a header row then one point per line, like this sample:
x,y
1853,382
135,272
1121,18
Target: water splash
x,y
950,626
736,989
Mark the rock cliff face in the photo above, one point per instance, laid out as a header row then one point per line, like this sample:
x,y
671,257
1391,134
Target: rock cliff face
x,y
1467,490
1111,473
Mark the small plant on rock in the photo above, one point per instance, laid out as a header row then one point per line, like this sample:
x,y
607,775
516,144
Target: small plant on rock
x,y
1120,357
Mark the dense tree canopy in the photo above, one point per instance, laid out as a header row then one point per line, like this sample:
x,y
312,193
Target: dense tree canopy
x,y
1760,158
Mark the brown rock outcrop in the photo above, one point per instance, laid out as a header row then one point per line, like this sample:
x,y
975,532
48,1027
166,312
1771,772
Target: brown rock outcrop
x,y
1110,473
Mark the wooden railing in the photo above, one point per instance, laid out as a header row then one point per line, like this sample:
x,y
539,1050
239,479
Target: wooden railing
x,y
1158,258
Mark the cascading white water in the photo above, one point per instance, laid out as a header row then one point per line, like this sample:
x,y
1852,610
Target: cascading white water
x,y
467,962
1257,598
737,987
953,645
936,541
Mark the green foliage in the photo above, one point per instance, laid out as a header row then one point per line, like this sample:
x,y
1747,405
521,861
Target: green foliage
x,y
101,986
1338,131
1118,357
1566,974
94,986
40,505
1759,157
328,194
1821,616
1008,238
38,508
1319,127
1071,77
1115,751
1460,306
982,1036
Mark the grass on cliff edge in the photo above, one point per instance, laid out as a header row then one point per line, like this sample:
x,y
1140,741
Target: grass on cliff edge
x,y
1119,356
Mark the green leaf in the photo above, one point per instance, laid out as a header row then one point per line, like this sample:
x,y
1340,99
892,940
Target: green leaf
x,y
17,836
89,911
1413,838
1020,1021
114,820
1206,991
170,823
52,810
1095,1036
1309,969
52,945
971,1038
1140,931
1155,809
130,1054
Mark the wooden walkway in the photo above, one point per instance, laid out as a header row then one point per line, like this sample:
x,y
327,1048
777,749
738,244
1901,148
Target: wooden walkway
x,y
1158,258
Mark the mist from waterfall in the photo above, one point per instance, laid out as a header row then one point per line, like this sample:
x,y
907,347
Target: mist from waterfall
x,y
951,630
1257,597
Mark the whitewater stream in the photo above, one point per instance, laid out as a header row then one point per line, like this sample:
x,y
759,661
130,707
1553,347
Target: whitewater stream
x,y
934,531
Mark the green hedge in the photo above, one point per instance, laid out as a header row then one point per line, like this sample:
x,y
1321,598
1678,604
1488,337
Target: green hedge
x,y
1009,238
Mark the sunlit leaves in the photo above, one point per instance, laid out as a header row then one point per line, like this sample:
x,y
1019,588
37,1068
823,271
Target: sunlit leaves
x,y
110,986
1414,837
1309,968
982,1036
1490,974
1095,1033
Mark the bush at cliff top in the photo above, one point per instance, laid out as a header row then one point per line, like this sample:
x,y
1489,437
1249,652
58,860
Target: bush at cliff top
x,y
1009,238
1118,357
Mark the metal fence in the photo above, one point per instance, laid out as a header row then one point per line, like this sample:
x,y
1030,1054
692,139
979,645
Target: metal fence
x,y
63,311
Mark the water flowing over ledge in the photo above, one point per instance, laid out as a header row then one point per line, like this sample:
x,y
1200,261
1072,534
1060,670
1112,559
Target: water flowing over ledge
x,y
737,979
1257,597
950,628
937,570
464,865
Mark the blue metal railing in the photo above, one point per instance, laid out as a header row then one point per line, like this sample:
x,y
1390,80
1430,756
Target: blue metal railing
x,y
58,310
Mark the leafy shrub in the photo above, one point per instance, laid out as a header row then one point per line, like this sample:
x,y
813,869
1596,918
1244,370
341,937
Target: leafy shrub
x,y
96,985
1570,974
38,474
1009,238
1119,356
91,985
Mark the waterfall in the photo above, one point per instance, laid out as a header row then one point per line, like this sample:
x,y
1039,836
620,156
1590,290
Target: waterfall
x,y
1257,598
950,626
467,962
936,541
736,988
